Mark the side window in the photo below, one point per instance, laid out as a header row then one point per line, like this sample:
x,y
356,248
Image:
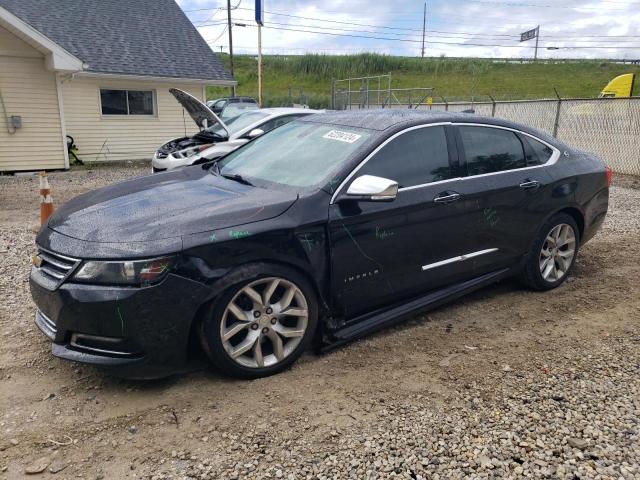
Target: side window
x,y
413,158
219,104
489,150
127,102
276,122
538,153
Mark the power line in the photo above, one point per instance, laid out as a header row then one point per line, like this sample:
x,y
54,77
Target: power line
x,y
437,34
536,5
387,38
385,27
467,44
489,2
199,24
219,36
456,35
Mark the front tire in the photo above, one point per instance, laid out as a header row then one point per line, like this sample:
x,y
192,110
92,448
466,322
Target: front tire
x,y
261,325
553,254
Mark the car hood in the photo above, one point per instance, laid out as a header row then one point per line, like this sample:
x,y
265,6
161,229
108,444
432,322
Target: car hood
x,y
166,206
198,111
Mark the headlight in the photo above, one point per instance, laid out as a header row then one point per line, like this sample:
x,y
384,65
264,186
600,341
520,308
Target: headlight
x,y
191,151
138,272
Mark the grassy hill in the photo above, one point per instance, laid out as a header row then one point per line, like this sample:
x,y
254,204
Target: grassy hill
x,y
454,79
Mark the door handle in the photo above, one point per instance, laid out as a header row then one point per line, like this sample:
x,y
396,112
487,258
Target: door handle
x,y
447,197
530,184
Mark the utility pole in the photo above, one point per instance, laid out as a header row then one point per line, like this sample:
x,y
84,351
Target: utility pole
x,y
424,25
535,55
230,42
260,65
260,21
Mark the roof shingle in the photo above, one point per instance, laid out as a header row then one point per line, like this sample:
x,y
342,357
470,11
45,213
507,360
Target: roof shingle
x,y
141,37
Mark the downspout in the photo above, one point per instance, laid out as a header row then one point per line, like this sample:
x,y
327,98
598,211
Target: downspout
x,y
63,124
6,116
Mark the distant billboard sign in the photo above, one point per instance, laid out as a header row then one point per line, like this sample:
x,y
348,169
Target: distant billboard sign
x,y
524,36
259,12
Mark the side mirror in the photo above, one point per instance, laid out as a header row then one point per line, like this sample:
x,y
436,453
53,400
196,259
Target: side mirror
x,y
256,132
373,189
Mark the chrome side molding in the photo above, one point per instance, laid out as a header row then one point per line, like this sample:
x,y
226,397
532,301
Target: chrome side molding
x,y
459,258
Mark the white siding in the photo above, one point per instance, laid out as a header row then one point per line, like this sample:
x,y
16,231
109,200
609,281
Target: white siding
x,y
29,91
109,137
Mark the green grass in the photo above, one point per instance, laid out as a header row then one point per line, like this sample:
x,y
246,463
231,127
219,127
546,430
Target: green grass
x,y
453,79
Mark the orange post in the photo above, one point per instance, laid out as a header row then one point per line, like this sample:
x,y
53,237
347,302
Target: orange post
x,y
46,204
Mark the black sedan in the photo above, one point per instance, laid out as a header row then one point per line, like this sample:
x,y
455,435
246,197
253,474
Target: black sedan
x,y
323,230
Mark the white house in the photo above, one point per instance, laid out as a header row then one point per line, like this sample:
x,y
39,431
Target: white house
x,y
99,71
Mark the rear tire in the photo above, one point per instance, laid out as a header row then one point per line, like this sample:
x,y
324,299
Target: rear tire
x,y
553,253
261,325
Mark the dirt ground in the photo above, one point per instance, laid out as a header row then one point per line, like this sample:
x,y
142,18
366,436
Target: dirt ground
x,y
501,384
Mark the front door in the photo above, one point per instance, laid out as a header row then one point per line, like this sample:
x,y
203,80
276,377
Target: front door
x,y
379,249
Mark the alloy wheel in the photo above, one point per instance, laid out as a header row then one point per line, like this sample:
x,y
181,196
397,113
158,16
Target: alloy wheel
x,y
557,252
264,322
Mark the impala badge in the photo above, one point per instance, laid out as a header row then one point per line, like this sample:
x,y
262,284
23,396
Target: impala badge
x,y
36,260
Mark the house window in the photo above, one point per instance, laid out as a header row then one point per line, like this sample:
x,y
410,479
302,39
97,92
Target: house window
x,y
126,102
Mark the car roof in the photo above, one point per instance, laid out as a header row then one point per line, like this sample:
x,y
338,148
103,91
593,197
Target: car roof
x,y
288,110
248,99
269,114
396,119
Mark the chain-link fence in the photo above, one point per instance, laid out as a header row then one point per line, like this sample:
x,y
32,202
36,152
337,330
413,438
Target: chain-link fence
x,y
609,127
374,92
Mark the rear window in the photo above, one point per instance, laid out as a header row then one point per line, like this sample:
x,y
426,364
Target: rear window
x,y
490,150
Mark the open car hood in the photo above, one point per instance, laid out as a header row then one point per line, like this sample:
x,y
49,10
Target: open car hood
x,y
198,111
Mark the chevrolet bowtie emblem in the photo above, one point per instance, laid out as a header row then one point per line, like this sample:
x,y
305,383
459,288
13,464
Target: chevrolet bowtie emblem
x,y
36,260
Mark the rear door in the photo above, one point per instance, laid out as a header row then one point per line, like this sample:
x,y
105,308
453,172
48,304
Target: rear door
x,y
505,190
379,249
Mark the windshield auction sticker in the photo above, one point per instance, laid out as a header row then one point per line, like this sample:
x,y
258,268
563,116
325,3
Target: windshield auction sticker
x,y
342,136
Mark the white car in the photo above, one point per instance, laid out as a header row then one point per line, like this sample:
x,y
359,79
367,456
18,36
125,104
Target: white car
x,y
217,138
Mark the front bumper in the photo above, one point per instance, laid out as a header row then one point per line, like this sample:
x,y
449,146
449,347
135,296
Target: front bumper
x,y
135,332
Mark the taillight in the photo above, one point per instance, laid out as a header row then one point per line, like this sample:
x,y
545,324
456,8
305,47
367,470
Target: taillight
x,y
609,176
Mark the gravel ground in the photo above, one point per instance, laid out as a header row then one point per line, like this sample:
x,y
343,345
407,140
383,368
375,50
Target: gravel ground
x,y
505,383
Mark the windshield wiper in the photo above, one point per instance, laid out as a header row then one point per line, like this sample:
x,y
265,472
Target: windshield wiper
x,y
237,177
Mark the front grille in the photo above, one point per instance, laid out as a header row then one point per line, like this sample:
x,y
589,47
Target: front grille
x,y
156,169
55,268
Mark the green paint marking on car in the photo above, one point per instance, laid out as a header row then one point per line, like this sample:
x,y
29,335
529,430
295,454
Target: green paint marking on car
x,y
382,234
236,234
491,215
306,241
331,185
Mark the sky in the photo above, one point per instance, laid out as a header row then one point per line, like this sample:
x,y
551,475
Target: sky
x,y
454,28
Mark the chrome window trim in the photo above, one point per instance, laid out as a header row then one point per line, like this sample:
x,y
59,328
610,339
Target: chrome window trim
x,y
377,149
459,258
552,160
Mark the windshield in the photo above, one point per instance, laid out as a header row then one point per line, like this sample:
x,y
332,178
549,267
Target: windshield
x,y
298,154
235,109
235,124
